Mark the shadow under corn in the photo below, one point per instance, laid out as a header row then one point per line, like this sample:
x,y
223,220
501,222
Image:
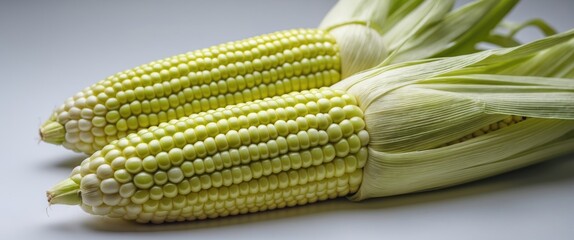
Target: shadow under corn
x,y
556,170
62,162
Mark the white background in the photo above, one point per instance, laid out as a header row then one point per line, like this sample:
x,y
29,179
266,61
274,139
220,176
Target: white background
x,y
51,49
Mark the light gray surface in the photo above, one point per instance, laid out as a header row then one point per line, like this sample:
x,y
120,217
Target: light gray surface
x,y
51,49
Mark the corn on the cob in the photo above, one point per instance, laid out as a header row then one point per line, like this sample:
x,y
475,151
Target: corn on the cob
x,y
283,151
354,36
421,125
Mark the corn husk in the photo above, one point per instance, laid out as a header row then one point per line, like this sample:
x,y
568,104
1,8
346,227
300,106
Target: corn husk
x,y
414,109
373,32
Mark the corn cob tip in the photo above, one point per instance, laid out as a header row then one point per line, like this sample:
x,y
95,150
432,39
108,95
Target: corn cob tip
x,y
66,192
52,132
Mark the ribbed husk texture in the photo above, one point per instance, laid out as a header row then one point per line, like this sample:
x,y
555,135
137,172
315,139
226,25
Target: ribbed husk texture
x,y
412,110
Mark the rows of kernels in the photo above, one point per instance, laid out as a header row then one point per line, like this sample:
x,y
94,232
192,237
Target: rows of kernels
x,y
506,122
206,79
288,189
295,139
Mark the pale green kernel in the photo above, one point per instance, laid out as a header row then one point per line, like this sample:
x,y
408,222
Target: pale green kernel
x,y
143,180
342,148
292,126
357,123
334,133
200,149
316,157
302,123
189,152
232,139
201,132
163,161
133,165
268,132
354,143
350,101
257,65
329,152
337,114
254,134
166,142
295,160
293,178
209,164
103,171
135,107
339,165
175,175
323,121
283,180
142,150
163,103
198,166
243,136
285,161
122,176
154,146
210,145
226,177
351,163
337,102
127,190
184,188
205,181
221,142
179,139
187,169
282,145
303,138
225,159
253,152
109,186
272,148
176,156
125,111
160,177
246,173
263,150
179,202
282,127
111,155
155,193
149,164
237,175
216,180
291,112
169,191
190,135
218,161
324,105
234,157
142,121
352,111
244,155
118,163
121,125
364,137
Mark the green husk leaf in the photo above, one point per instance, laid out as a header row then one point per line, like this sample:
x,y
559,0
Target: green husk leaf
x,y
413,110
384,32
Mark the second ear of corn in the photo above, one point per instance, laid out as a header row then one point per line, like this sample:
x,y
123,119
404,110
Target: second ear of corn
x,y
354,36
